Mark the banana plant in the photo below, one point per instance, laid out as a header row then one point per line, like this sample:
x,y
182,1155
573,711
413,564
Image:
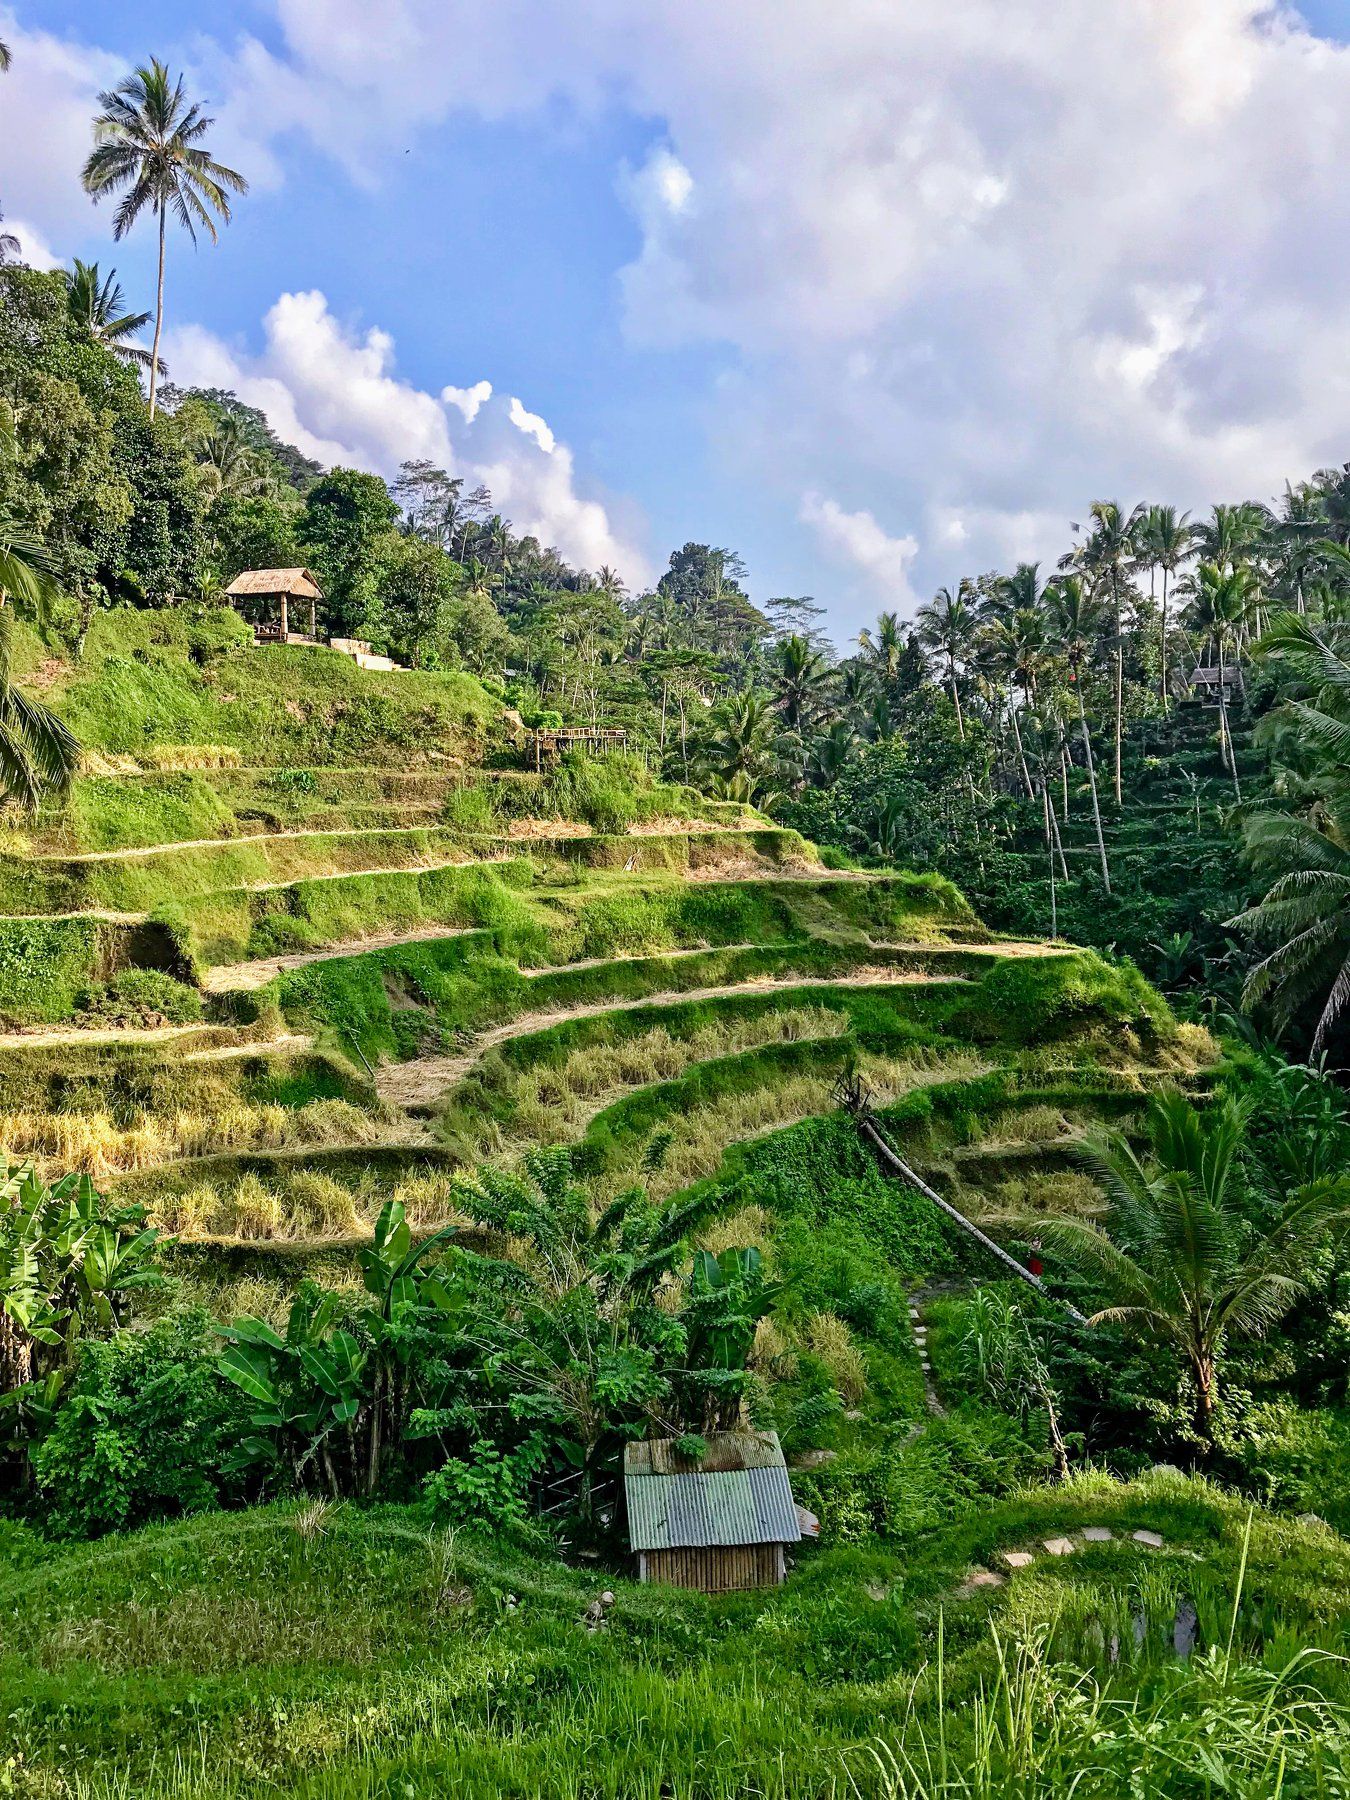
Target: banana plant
x,y
335,1402
66,1264
727,1296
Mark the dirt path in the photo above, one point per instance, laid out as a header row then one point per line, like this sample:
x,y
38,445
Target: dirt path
x,y
420,1083
245,977
128,1034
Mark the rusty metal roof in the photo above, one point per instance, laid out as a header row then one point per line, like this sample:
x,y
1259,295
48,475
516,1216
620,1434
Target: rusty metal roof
x,y
705,1507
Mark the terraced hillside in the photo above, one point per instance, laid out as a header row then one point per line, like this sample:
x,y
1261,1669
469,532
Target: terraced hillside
x,y
262,996
279,994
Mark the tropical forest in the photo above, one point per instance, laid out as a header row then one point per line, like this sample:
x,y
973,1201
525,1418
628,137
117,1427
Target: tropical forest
x,y
610,1193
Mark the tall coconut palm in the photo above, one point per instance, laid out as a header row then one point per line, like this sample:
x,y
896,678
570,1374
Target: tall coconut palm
x,y
1165,541
1177,1260
799,676
147,146
1106,556
1075,622
95,302
1015,646
1303,920
884,646
1220,600
946,627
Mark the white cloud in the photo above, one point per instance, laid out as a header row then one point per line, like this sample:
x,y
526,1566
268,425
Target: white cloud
x,y
33,249
334,393
858,542
46,103
532,425
469,400
977,261
971,265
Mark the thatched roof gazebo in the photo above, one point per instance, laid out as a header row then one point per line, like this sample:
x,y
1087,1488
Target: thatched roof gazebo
x,y
264,596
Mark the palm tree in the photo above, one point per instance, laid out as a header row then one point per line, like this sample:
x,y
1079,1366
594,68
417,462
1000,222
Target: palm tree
x,y
5,57
829,753
1165,541
1303,920
1015,647
1106,555
229,463
38,752
147,140
799,677
946,626
742,747
1179,1262
95,302
1075,620
1220,599
885,647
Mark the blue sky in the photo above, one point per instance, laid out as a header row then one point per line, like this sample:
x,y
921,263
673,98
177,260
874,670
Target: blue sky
x,y
877,302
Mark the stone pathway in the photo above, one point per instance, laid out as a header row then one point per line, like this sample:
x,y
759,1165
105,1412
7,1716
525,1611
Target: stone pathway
x,y
920,1331
1057,1544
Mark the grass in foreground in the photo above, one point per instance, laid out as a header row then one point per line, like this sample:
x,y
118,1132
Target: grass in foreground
x,y
356,1654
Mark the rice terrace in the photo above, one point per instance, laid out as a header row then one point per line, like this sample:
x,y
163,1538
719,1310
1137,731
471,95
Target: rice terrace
x,y
613,1187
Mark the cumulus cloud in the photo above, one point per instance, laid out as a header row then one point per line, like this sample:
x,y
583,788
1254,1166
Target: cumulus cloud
x,y
859,543
468,400
334,392
533,426
33,248
972,266
45,109
975,263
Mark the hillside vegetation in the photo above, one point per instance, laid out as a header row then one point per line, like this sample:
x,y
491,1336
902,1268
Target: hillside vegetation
x,y
396,1126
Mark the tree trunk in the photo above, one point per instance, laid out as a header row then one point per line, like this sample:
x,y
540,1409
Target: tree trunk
x,y
159,316
894,1166
1021,755
1162,679
1054,908
956,697
1206,1394
1120,704
1092,781
16,1355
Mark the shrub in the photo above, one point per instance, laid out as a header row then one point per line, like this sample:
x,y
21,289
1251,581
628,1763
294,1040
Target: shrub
x,y
143,1432
488,1490
142,997
832,1341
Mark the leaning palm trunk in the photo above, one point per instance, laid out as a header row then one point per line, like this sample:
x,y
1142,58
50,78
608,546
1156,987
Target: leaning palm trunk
x,y
854,1099
1092,783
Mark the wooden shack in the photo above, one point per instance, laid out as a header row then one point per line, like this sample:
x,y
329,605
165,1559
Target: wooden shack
x,y
718,1523
550,744
267,599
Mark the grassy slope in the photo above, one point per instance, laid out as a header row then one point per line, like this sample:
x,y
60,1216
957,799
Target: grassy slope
x,y
241,1656
193,677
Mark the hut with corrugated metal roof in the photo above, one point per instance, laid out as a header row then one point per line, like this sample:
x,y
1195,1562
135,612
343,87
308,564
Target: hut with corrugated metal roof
x,y
719,1521
266,596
